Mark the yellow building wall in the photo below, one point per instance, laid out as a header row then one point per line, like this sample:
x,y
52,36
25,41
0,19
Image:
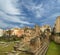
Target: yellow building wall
x,y
57,25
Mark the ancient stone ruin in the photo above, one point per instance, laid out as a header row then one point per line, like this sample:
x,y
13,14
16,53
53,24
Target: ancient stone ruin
x,y
56,30
34,41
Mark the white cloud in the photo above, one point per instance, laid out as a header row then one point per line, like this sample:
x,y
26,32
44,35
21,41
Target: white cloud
x,y
3,25
44,9
54,16
7,6
12,19
22,25
50,20
38,10
58,1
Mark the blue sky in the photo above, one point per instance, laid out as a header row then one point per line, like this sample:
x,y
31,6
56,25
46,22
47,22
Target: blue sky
x,y
20,13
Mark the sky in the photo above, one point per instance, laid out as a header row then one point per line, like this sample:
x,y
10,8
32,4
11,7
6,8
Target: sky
x,y
20,13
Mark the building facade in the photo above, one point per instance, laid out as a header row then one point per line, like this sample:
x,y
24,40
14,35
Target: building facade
x,y
1,32
57,25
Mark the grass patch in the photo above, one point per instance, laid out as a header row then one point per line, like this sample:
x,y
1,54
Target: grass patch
x,y
54,49
22,53
6,48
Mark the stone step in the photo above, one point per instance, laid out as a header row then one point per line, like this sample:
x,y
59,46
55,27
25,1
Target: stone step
x,y
45,51
41,49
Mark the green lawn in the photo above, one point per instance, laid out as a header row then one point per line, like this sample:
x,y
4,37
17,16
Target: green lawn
x,y
9,48
6,48
54,49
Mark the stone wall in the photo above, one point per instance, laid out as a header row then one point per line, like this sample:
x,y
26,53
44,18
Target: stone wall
x,y
57,25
